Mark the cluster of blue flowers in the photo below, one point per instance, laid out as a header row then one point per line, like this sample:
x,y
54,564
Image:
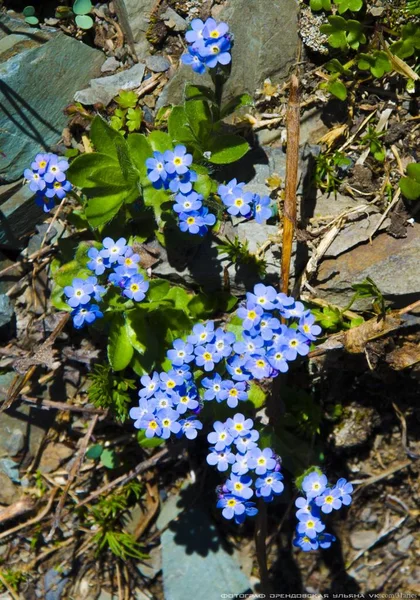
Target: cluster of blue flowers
x,y
170,171
319,498
244,204
229,365
235,447
123,263
47,177
209,44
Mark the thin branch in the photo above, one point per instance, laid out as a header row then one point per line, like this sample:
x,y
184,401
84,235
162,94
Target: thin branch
x,y
292,160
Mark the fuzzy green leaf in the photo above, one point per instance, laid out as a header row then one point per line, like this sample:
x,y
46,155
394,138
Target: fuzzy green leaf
x,y
178,127
160,141
377,63
126,99
108,458
95,451
199,119
82,7
337,89
140,150
84,21
225,149
120,349
345,5
235,103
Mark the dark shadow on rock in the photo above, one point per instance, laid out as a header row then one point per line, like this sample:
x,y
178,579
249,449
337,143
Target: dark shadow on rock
x,y
341,580
243,169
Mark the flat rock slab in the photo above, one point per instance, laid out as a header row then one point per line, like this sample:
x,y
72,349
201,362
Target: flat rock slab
x,y
36,84
138,13
265,45
18,216
104,89
195,563
391,263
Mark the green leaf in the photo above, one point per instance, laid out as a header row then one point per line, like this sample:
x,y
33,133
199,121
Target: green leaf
x,y
377,63
104,138
109,459
410,188
84,21
158,288
199,92
227,149
126,99
235,103
199,119
65,274
179,297
178,127
120,349
337,89
155,199
137,329
94,452
256,395
345,5
355,36
145,442
203,184
82,7
413,171
102,209
160,141
28,11
139,150
32,20
57,299
317,5
82,170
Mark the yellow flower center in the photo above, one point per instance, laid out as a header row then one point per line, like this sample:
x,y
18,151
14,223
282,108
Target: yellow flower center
x,y
239,202
214,34
261,461
177,161
252,314
134,287
43,164
207,356
190,220
329,499
231,502
238,486
171,383
233,392
57,185
260,363
310,524
239,426
166,422
153,425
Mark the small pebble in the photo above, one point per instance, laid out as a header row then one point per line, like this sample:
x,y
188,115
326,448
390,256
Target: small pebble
x,y
110,65
157,63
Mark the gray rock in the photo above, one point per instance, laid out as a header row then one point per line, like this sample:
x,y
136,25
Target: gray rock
x,y
9,492
54,584
405,542
18,216
391,263
157,63
356,232
266,43
104,89
363,538
36,83
195,563
173,20
150,567
6,317
139,12
10,468
110,65
30,422
15,442
355,427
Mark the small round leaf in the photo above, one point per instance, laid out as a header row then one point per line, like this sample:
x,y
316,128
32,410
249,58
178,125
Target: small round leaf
x,y
84,21
28,11
82,7
31,20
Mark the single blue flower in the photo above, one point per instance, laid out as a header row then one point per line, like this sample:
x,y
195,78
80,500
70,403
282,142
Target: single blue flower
x,y
314,484
136,287
270,484
164,400
325,540
183,183
236,508
58,188
129,259
213,30
201,334
223,342
190,427
36,182
277,359
261,460
346,489
305,543
328,501
267,327
245,443
137,412
97,262
258,366
307,327
98,290
185,400
220,438
214,389
295,310
306,507
182,352
262,210
184,372
296,343
188,203
121,275
238,202
235,366
151,385
310,526
40,163
191,222
263,295
250,314
113,250
85,314
169,421
156,170
249,344
43,202
215,53
206,220
220,458
240,485
230,188
177,161
170,380
150,422
239,426
79,292
284,301
240,466
236,391
196,31
205,356
193,58
56,169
